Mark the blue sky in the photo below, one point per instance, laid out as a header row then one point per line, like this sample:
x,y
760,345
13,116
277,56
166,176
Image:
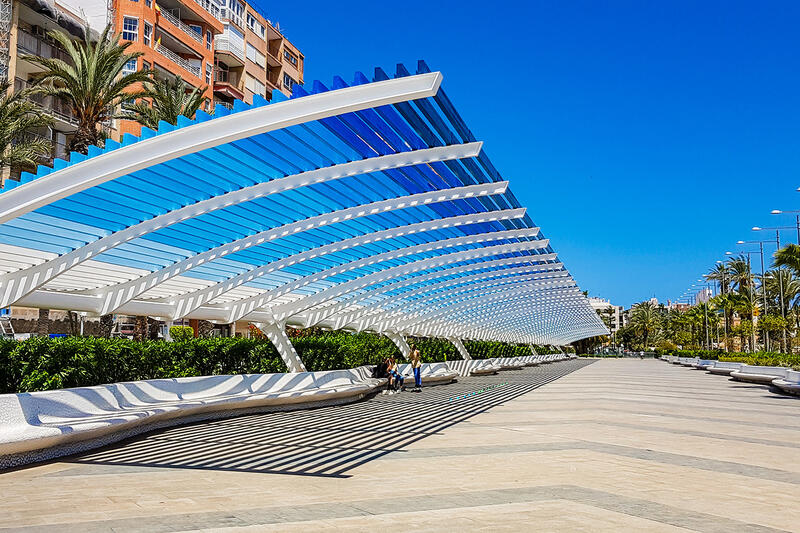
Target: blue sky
x,y
645,138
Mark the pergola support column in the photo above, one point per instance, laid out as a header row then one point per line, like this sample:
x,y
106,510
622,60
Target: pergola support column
x,y
460,348
400,342
276,333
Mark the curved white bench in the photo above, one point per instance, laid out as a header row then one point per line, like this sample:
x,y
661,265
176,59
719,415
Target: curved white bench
x,y
790,383
510,363
431,374
473,367
704,364
42,425
689,361
759,374
724,368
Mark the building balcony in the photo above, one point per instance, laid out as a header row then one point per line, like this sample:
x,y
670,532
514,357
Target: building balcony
x,y
227,84
178,23
51,105
228,52
178,60
28,43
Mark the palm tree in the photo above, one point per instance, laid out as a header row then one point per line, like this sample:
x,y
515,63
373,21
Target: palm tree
x,y
739,269
18,116
93,84
788,256
645,319
170,100
721,275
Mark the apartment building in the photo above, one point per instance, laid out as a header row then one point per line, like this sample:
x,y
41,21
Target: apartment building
x,y
30,22
252,57
225,47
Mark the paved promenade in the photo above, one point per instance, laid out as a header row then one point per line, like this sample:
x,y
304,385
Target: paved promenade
x,y
614,445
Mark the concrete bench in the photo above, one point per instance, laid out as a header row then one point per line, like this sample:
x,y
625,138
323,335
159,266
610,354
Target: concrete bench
x,y
759,374
510,363
431,374
41,425
790,383
724,368
689,361
473,367
703,364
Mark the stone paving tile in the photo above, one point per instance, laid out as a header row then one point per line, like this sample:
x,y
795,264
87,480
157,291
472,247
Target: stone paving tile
x,y
622,445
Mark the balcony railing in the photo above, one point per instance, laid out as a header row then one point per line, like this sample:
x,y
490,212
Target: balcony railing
x,y
178,60
182,25
227,14
38,46
223,44
49,104
224,76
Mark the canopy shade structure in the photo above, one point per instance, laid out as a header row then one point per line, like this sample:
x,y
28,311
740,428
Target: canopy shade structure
x,y
363,206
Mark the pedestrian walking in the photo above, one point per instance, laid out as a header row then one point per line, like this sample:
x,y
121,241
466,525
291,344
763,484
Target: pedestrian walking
x,y
416,367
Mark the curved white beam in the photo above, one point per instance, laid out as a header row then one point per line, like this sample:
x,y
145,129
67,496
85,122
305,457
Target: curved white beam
x,y
186,303
467,302
507,301
15,285
468,282
284,311
182,141
376,312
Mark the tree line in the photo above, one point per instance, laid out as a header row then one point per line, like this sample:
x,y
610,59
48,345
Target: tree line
x,y
750,311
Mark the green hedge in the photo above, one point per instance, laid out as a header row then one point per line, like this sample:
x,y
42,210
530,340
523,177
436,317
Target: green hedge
x,y
758,358
40,363
432,350
491,349
339,349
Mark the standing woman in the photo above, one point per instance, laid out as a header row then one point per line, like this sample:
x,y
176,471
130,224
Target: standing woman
x,y
416,364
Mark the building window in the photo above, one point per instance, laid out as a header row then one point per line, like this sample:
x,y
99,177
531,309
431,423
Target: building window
x,y
236,7
288,81
145,65
290,57
209,73
206,103
130,28
129,68
255,86
147,33
209,39
148,3
255,26
197,29
255,56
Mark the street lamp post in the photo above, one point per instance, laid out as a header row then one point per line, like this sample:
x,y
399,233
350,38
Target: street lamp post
x,y
763,285
780,278
752,316
796,219
724,311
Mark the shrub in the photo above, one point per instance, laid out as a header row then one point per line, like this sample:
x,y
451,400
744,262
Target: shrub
x,y
181,333
40,363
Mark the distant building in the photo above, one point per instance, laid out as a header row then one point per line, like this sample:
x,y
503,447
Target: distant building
x,y
604,308
703,296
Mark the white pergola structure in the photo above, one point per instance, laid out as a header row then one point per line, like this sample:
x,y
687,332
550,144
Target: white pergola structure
x,y
367,207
